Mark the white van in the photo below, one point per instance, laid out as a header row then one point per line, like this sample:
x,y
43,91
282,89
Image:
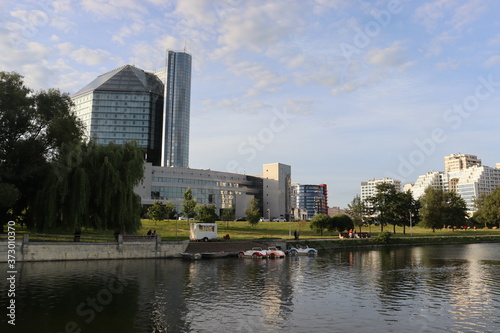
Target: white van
x,y
202,231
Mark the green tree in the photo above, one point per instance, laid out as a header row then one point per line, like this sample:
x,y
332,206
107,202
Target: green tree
x,y
320,222
35,127
357,210
92,186
170,210
384,203
405,210
340,222
189,205
253,212
489,208
206,213
157,211
455,213
439,208
228,214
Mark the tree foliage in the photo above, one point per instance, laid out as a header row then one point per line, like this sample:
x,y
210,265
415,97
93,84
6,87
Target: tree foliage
x,y
253,212
206,213
91,186
228,214
439,208
189,204
340,222
35,127
320,222
357,210
384,203
170,210
157,211
488,206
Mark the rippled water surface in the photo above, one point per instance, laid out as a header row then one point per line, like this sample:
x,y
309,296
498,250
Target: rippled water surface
x,y
449,288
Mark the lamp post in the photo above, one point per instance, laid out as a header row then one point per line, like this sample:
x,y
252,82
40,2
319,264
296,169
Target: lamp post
x,y
411,225
269,214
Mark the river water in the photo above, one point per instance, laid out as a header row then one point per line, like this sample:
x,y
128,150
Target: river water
x,y
447,288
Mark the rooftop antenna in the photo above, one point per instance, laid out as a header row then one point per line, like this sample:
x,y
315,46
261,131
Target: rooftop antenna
x,y
185,45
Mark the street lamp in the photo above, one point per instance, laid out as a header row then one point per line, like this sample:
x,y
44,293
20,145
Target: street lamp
x,y
269,214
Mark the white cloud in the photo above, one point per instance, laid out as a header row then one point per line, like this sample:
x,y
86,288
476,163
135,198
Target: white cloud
x,y
258,28
432,13
90,57
198,12
391,56
492,61
265,80
436,44
128,30
115,9
468,13
494,41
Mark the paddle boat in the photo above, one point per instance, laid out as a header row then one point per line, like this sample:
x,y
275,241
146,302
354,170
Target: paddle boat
x,y
274,252
302,251
212,255
255,253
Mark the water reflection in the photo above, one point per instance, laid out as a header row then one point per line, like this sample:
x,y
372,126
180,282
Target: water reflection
x,y
417,289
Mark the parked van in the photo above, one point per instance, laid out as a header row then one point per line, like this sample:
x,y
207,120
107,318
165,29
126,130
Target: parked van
x,y
202,231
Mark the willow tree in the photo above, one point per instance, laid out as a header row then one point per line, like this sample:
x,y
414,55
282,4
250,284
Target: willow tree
x,y
92,186
34,128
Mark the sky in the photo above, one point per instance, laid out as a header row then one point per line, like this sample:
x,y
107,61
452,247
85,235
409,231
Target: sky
x,y
343,91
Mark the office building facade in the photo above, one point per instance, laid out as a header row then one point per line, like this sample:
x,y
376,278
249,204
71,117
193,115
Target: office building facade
x,y
221,189
312,199
123,105
276,200
153,109
176,110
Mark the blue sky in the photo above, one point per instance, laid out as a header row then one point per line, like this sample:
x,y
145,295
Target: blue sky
x,y
341,90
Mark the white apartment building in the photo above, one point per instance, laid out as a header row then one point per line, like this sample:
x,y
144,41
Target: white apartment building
x,y
464,175
368,188
457,162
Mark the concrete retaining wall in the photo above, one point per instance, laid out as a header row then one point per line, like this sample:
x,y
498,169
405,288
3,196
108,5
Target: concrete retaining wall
x,y
48,251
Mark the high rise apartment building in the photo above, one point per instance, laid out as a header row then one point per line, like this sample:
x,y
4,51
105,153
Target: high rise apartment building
x,y
464,175
129,103
369,187
457,162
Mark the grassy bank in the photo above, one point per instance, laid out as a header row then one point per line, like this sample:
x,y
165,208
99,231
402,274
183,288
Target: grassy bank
x,y
240,230
326,244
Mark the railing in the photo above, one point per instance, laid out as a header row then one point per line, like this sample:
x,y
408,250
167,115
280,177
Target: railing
x,y
63,238
84,238
140,238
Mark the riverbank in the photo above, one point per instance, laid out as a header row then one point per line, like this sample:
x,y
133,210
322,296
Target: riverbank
x,y
327,244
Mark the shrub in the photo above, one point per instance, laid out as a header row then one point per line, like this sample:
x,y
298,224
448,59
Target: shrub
x,y
384,237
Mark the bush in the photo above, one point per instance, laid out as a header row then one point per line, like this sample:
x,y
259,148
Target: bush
x,y
384,237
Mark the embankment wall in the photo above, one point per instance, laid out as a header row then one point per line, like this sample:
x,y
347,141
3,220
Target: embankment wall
x,y
51,251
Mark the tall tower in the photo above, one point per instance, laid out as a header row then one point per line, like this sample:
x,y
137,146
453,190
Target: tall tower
x,y
176,110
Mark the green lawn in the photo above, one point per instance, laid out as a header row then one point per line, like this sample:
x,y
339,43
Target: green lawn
x,y
168,229
179,230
